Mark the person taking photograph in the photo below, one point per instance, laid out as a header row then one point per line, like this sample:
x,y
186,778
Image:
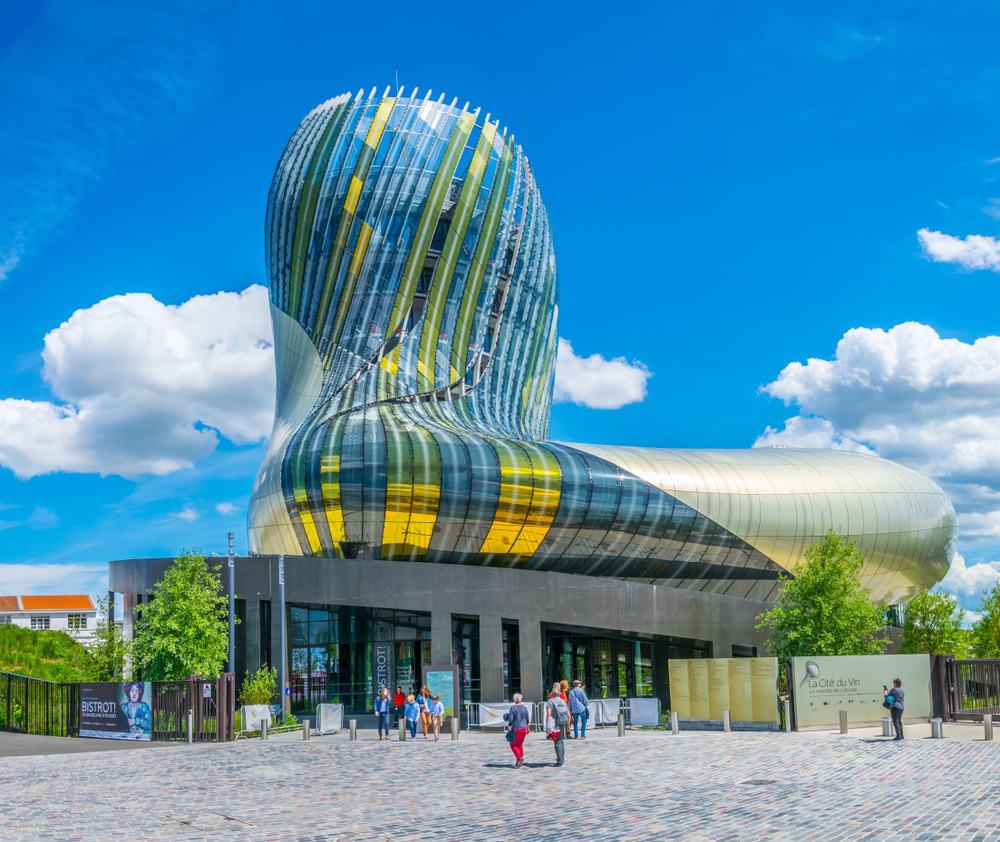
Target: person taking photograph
x,y
896,711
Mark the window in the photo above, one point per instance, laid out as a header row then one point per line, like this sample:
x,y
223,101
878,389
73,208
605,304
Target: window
x,y
5,620
40,622
77,621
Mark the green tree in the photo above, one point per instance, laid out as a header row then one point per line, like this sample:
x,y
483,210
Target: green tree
x,y
824,609
183,629
986,631
932,624
109,651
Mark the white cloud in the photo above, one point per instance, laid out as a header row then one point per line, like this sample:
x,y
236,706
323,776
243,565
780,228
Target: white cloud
x,y
971,618
917,398
188,513
801,431
970,579
146,388
929,402
597,382
53,578
972,252
225,508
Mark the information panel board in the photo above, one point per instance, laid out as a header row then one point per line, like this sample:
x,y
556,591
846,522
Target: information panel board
x,y
822,686
702,688
116,711
443,681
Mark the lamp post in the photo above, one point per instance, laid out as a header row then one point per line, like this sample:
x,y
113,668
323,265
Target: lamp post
x,y
284,634
232,606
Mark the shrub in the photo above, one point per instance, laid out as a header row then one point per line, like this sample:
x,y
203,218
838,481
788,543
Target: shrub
x,y
260,687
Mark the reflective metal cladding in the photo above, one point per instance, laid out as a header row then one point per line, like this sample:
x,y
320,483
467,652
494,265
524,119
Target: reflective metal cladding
x,y
414,301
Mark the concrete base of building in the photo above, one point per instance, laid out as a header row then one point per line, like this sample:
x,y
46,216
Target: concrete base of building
x,y
539,603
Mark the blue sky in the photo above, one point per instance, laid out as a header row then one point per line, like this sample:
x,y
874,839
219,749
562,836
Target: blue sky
x,y
732,190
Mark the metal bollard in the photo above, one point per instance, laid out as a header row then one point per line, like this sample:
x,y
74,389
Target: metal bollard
x,y
352,725
190,726
937,731
788,716
306,730
402,730
727,724
886,726
621,724
988,727
454,728
675,723
263,729
843,721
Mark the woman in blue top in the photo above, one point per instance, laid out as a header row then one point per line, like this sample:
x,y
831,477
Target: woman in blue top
x,y
412,714
383,708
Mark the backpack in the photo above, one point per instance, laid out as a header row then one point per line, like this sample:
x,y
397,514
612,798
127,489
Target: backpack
x,y
560,713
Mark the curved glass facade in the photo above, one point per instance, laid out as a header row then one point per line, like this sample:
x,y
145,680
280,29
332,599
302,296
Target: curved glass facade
x,y
414,300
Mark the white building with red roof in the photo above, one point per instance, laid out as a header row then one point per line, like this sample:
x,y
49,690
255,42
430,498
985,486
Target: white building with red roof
x,y
74,614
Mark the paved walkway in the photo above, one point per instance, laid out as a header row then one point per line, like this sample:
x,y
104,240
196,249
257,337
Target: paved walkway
x,y
27,745
697,786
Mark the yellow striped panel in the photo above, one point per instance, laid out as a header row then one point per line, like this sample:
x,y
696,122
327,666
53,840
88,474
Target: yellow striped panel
x,y
514,500
360,249
353,194
378,124
329,469
544,500
308,524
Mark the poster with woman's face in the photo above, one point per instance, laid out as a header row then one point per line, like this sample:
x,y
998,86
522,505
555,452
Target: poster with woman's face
x,y
116,710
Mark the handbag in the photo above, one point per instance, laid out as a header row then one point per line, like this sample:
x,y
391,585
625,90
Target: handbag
x,y
888,701
509,735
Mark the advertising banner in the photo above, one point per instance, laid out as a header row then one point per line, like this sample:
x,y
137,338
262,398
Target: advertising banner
x,y
822,686
116,711
384,660
491,713
702,688
443,681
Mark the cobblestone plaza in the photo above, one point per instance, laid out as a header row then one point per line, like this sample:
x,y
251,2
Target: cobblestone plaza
x,y
698,786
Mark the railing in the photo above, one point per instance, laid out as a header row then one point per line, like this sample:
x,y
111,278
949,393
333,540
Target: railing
x,y
974,687
210,703
603,713
35,706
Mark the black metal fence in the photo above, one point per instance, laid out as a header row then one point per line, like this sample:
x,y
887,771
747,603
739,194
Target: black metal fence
x,y
34,706
974,688
210,702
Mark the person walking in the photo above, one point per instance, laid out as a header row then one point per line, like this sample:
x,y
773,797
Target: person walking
x,y
383,710
423,702
579,710
411,711
898,694
564,692
556,720
398,702
436,710
518,719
